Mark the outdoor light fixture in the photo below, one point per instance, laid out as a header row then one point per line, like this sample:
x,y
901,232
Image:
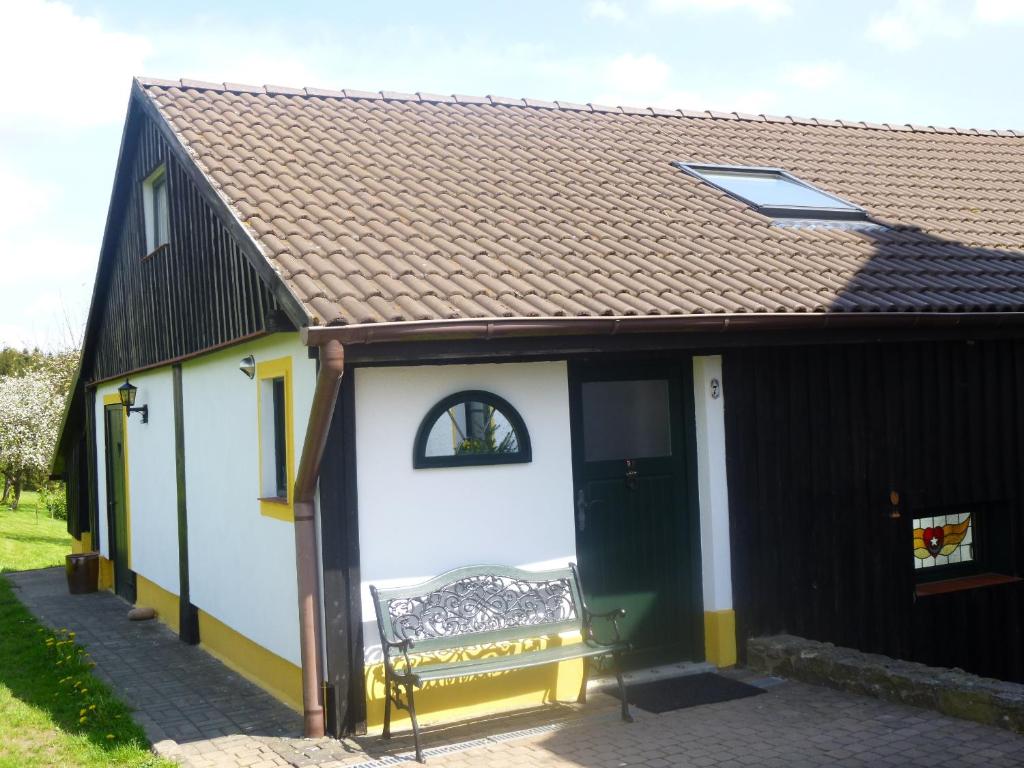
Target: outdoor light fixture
x,y
248,366
127,394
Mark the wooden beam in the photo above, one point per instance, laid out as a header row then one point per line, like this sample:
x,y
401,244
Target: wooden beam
x,y
188,615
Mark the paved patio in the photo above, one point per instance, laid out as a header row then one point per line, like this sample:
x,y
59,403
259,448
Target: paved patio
x,y
202,714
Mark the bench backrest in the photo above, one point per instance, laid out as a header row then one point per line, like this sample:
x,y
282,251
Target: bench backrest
x,y
479,605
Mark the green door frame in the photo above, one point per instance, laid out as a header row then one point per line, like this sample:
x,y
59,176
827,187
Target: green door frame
x,y
682,465
117,498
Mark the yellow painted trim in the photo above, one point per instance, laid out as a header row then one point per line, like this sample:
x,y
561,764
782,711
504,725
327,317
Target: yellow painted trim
x,y
106,577
84,544
159,599
720,637
115,399
252,661
280,368
469,697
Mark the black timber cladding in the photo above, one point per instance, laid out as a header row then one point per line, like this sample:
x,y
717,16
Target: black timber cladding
x,y
188,614
818,436
198,292
339,533
76,474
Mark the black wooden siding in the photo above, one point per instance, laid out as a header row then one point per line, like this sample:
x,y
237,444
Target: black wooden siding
x,y
818,437
197,293
77,477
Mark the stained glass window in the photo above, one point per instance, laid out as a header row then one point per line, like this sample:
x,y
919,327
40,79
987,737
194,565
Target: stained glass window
x,y
943,540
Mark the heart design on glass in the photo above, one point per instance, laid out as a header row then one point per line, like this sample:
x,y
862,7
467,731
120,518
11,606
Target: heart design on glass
x,y
934,539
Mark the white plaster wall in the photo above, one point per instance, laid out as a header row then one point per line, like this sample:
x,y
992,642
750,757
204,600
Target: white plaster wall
x,y
712,482
241,563
152,490
415,524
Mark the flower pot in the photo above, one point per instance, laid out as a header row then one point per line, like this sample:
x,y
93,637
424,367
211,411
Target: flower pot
x,y
83,572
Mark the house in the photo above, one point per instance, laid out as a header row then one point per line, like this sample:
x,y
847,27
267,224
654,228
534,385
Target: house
x,y
755,374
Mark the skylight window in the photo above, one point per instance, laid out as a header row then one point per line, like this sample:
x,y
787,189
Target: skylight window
x,y
774,192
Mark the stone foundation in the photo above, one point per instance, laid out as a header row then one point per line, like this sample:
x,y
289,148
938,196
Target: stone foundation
x,y
949,691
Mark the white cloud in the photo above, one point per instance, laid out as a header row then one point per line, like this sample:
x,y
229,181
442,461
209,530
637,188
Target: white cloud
x,y
641,74
999,11
646,81
605,9
814,76
220,54
62,69
909,23
763,9
41,262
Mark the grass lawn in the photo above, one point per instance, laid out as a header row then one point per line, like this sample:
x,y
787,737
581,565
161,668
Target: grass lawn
x,y
29,538
52,710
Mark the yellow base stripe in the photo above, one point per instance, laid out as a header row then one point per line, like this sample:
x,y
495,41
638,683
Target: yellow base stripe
x,y
150,595
467,697
84,544
720,637
106,580
252,661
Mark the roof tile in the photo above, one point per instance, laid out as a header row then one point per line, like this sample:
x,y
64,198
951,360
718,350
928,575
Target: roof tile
x,y
201,85
284,90
417,207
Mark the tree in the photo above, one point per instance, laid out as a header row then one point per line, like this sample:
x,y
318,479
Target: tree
x,y
31,409
15,361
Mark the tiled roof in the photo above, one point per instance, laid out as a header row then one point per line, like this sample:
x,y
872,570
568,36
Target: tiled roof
x,y
377,207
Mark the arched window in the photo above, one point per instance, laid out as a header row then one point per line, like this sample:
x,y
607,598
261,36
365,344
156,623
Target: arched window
x,y
471,428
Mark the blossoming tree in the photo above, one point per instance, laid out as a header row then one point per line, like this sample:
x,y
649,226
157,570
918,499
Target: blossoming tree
x,y
31,408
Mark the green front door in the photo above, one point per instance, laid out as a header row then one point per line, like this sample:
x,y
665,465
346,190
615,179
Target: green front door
x,y
117,509
637,534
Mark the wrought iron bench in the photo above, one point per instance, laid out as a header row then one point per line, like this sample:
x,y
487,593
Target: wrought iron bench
x,y
486,605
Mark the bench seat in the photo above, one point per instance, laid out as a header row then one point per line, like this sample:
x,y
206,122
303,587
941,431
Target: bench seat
x,y
506,662
486,607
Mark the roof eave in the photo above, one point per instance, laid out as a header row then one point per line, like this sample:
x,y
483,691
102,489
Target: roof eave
x,y
520,327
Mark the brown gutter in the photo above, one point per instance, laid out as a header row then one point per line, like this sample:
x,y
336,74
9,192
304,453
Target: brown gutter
x,y
436,330
328,380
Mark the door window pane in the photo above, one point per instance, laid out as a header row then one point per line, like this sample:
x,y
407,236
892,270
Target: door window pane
x,y
626,420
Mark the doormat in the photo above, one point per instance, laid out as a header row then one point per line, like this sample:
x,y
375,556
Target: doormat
x,y
685,691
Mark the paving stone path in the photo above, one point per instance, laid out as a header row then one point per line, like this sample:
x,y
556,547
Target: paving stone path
x,y
198,712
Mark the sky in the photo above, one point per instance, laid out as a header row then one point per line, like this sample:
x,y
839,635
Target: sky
x,y
66,69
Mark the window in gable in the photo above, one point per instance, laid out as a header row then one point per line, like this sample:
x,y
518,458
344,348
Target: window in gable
x,y
156,209
774,192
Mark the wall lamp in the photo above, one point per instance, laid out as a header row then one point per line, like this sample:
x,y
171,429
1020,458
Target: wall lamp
x,y
127,394
247,365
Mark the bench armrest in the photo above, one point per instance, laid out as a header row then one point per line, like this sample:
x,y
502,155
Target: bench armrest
x,y
403,646
611,616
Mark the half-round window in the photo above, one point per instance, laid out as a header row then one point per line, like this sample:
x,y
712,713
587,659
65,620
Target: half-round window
x,y
471,428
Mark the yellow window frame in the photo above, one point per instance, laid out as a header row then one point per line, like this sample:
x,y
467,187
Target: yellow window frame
x,y
279,368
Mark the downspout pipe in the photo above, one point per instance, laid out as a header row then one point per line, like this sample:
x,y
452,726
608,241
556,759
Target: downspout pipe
x,y
328,380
